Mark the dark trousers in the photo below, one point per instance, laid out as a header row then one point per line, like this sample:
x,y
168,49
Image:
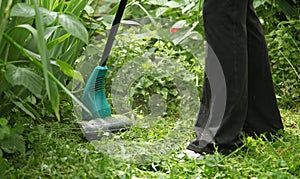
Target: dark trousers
x,y
238,94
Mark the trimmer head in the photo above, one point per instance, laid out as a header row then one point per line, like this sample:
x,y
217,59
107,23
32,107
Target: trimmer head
x,y
95,128
99,120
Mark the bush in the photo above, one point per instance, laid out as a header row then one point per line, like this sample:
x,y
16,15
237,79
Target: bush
x,y
281,22
284,52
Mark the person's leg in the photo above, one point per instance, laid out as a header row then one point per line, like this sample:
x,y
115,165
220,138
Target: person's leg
x,y
263,114
220,123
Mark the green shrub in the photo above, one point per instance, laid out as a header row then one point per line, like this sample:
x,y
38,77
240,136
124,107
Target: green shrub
x,y
284,52
281,22
39,44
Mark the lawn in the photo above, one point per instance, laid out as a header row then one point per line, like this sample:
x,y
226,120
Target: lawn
x,y
48,49
58,150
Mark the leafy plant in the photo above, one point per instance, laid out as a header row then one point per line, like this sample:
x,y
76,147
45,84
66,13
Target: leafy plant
x,y
155,69
21,41
174,10
40,41
281,23
285,55
38,48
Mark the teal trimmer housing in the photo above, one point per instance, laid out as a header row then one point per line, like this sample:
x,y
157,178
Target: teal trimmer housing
x,y
94,95
99,118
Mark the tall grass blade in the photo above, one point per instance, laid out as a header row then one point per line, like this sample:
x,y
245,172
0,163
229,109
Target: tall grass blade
x,y
51,86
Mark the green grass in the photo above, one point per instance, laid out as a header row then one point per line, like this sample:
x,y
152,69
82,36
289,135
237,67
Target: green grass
x,y
58,150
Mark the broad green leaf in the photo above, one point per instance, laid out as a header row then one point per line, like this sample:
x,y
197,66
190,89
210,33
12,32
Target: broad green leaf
x,y
19,35
49,31
30,29
69,71
12,144
74,27
23,76
35,60
51,86
30,42
160,11
49,17
22,10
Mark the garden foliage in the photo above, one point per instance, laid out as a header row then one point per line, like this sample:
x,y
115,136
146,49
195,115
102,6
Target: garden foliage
x,y
42,40
39,44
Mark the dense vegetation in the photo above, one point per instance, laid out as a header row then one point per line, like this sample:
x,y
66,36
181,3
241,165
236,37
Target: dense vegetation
x,y
43,45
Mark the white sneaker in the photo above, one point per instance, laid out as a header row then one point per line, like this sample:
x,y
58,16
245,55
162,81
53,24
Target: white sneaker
x,y
193,155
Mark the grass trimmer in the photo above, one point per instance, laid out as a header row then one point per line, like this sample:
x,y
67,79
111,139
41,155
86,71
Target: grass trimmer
x,y
100,119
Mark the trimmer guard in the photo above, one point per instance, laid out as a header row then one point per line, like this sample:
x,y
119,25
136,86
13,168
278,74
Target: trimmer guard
x,y
94,129
94,95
